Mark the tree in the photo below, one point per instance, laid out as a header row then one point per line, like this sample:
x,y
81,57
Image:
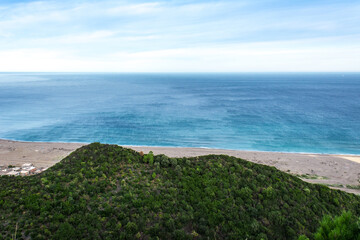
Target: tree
x,y
344,227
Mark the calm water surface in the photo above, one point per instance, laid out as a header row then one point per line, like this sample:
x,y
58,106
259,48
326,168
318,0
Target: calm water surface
x,y
268,112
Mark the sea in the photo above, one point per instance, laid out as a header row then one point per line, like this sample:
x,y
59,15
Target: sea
x,y
280,112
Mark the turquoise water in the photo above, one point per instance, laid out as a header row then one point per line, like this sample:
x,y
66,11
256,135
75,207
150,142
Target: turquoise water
x,y
268,112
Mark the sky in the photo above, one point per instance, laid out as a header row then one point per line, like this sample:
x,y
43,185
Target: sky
x,y
180,36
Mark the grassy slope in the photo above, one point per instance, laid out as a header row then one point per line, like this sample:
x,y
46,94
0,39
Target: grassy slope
x,y
109,192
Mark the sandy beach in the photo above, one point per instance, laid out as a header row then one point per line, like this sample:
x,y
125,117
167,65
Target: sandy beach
x,y
336,171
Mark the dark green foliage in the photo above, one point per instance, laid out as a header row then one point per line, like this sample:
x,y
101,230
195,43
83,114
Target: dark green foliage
x,y
344,227
109,192
65,231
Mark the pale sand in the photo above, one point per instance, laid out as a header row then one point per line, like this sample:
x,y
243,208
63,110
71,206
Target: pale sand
x,y
326,168
41,154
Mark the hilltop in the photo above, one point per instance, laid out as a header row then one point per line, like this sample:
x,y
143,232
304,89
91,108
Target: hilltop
x,y
110,192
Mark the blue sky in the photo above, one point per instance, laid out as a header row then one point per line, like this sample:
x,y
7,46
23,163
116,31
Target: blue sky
x,y
180,36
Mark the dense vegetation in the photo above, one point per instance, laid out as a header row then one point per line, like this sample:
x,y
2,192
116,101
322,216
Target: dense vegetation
x,y
344,227
109,192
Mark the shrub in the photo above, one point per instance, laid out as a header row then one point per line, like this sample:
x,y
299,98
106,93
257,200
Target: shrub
x,y
149,158
131,227
173,162
344,227
163,160
65,231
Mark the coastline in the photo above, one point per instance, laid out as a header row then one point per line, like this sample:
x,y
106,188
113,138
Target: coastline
x,y
335,170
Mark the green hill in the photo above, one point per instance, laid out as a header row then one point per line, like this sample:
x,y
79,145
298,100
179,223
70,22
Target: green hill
x,y
109,192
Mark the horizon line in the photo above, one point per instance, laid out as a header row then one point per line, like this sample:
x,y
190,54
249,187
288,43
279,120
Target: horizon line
x,y
190,72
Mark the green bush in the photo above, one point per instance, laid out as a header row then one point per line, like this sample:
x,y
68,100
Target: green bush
x,y
343,227
149,158
65,231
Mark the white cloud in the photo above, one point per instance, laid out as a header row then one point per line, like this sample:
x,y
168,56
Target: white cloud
x,y
135,9
173,36
246,58
292,56
31,13
92,37
77,38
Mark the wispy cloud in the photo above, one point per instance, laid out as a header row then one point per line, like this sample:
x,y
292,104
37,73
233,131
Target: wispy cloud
x,y
76,38
136,9
180,36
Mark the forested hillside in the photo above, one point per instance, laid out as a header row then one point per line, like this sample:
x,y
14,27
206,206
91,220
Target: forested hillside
x,y
109,192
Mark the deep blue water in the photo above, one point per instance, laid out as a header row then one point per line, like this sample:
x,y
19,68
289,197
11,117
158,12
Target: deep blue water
x,y
267,112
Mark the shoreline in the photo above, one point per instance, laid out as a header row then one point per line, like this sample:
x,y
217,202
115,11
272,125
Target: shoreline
x,y
175,147
335,170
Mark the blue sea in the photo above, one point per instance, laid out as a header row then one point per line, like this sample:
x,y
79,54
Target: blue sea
x,y
297,112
